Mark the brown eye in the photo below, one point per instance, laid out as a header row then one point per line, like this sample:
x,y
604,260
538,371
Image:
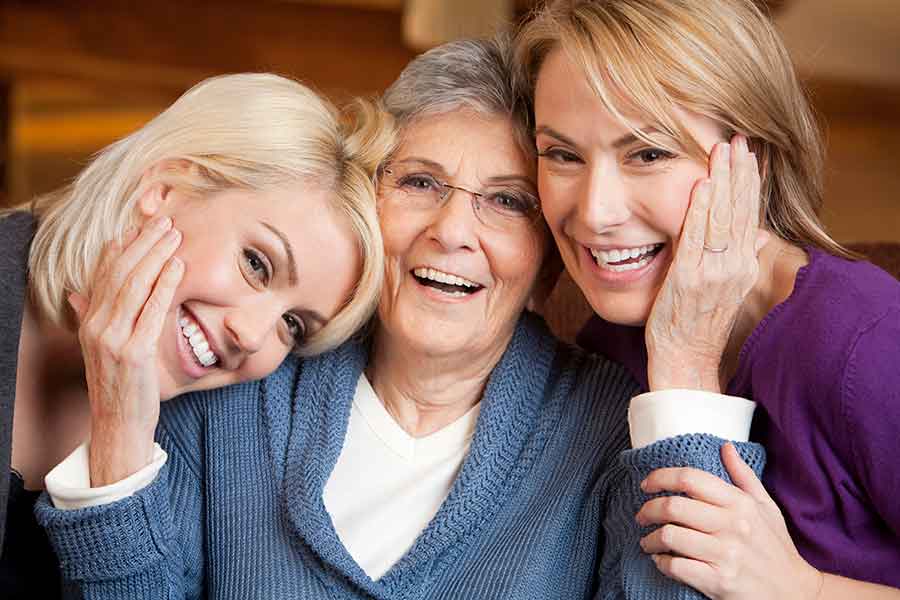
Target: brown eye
x,y
652,155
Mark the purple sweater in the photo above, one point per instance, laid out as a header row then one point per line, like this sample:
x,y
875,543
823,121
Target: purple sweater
x,y
824,369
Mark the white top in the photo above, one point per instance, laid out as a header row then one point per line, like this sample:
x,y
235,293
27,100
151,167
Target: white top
x,y
388,485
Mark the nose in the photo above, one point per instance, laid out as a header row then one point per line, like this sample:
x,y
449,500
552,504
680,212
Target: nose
x,y
248,326
603,202
454,224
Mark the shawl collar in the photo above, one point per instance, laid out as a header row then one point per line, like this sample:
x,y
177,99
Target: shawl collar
x,y
507,440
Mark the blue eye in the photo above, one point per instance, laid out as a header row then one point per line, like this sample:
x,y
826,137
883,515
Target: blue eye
x,y
258,269
296,327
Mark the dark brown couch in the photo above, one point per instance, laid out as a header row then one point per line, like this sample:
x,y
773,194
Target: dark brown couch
x,y
567,310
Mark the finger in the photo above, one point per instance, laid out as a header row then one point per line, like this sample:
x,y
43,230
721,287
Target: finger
x,y
741,189
672,539
683,511
99,290
694,483
134,252
153,314
742,475
762,238
693,233
140,283
697,574
718,233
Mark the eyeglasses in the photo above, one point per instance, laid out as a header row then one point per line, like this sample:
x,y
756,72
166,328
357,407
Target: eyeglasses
x,y
502,208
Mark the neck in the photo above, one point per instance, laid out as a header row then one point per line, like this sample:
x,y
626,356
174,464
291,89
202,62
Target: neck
x,y
423,392
779,262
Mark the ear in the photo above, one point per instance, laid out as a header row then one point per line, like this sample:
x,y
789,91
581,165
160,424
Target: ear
x,y
156,187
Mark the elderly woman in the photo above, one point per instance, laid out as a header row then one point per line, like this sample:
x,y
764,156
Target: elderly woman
x,y
232,194
458,452
631,97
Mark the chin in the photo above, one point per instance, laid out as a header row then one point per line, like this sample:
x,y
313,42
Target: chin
x,y
621,309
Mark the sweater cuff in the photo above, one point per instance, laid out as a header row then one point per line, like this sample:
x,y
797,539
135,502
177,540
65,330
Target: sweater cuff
x,y
655,416
69,483
700,451
113,540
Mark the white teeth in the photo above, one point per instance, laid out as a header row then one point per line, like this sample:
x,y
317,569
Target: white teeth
x,y
605,257
199,344
440,276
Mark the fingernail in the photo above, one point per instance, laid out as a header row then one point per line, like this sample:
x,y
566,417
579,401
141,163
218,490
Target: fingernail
x,y
176,264
163,223
644,485
173,235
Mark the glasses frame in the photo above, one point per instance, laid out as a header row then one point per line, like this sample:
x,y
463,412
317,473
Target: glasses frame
x,y
447,189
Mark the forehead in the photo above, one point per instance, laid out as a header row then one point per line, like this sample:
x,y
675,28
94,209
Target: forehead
x,y
562,92
467,143
563,96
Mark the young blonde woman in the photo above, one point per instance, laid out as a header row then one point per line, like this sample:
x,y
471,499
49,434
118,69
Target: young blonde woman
x,y
235,227
639,105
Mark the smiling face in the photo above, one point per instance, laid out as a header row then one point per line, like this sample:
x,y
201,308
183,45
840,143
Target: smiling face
x,y
261,268
455,286
614,203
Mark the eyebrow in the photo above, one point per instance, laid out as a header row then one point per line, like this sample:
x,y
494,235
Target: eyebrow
x,y
625,140
288,250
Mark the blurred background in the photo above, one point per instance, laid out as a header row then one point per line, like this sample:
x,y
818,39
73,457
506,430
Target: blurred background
x,y
75,76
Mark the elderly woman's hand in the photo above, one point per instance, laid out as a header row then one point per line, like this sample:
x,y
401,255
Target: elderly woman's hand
x,y
727,541
119,329
713,269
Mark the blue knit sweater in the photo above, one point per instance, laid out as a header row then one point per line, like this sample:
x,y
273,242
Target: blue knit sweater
x,y
543,506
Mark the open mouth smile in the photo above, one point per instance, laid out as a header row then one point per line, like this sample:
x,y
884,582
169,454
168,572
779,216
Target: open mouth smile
x,y
447,283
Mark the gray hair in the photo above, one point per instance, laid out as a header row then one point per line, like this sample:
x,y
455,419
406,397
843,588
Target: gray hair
x,y
477,74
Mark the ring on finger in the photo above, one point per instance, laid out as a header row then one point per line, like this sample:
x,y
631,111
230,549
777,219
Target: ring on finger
x,y
715,250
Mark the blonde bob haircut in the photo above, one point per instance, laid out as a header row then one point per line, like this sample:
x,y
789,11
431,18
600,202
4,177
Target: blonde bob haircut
x,y
719,58
247,131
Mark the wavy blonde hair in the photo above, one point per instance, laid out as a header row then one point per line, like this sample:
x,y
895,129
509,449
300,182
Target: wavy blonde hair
x,y
719,58
248,131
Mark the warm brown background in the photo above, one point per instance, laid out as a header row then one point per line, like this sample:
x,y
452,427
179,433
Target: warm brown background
x,y
76,75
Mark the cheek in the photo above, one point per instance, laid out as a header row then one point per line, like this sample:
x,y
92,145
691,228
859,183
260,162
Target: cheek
x,y
557,200
667,215
207,273
515,265
262,363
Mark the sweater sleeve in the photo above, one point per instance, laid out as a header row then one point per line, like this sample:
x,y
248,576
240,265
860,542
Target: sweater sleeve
x,y
870,398
626,572
145,546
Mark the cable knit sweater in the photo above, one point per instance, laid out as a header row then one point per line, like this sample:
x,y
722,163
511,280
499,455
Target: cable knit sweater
x,y
543,506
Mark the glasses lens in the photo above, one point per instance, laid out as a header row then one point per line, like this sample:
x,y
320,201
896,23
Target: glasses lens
x,y
507,208
415,188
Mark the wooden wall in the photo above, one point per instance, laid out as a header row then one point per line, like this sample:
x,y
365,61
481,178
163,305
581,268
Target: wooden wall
x,y
75,75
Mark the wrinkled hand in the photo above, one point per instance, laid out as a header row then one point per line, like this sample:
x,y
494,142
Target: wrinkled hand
x,y
119,329
713,269
729,542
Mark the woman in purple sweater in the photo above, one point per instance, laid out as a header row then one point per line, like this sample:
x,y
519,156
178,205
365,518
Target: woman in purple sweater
x,y
636,102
